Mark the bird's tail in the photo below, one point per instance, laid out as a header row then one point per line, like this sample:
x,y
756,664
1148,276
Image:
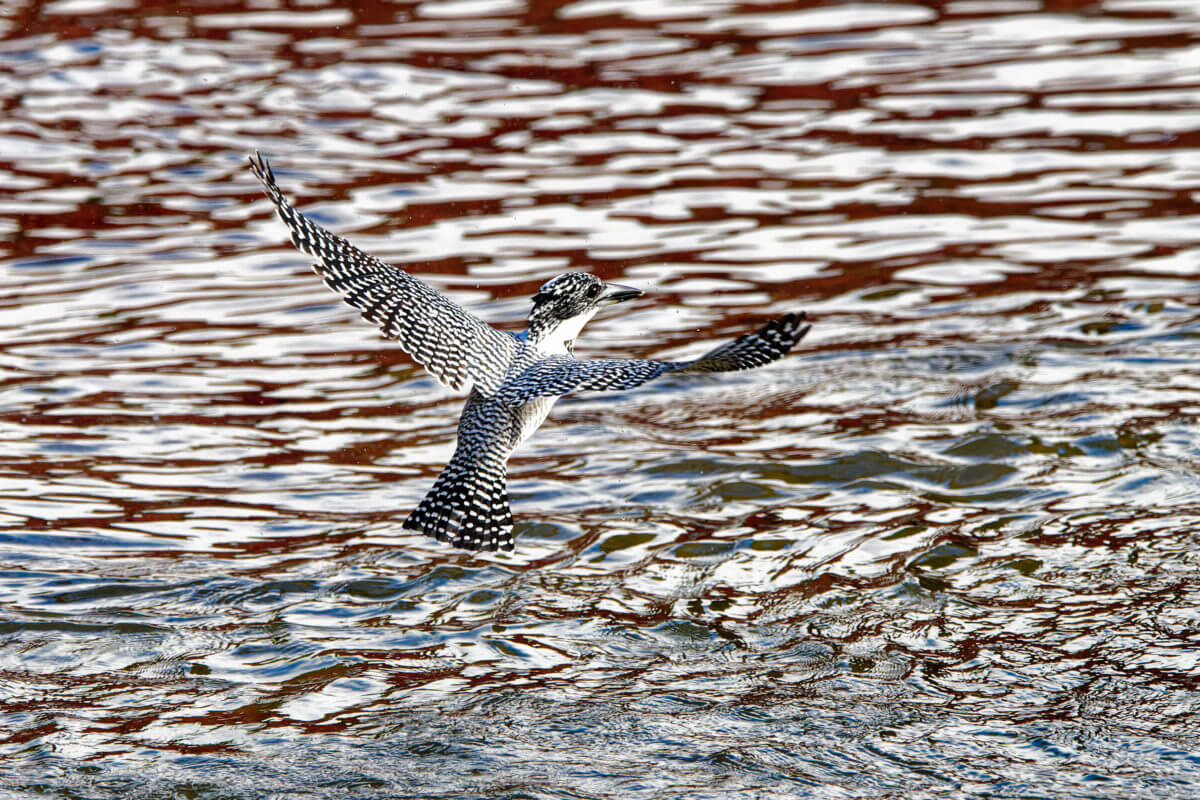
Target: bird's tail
x,y
467,507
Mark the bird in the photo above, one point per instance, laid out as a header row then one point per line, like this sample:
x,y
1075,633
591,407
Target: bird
x,y
513,379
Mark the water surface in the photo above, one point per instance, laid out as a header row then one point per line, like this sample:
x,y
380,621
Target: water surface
x,y
947,548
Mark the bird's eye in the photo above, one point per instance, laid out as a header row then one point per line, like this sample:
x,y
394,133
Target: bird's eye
x,y
593,291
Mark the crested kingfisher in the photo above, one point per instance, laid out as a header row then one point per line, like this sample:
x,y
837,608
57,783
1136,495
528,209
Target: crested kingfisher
x,y
514,378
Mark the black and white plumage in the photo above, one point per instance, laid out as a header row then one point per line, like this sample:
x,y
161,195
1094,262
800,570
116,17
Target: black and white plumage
x,y
455,346
514,378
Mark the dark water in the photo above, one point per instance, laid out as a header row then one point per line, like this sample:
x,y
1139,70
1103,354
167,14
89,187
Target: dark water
x,y
948,548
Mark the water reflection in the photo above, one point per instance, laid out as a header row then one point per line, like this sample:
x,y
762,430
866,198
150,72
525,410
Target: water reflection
x,y
946,548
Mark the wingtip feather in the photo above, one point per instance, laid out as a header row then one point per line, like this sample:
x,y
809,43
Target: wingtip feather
x,y
262,170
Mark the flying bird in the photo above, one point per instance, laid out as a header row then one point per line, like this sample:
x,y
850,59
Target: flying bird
x,y
514,378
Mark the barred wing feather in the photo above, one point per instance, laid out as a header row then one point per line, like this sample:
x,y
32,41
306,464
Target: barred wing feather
x,y
455,346
771,342
562,374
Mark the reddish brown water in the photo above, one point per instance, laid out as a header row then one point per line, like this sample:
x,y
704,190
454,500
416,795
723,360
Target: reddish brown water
x,y
947,548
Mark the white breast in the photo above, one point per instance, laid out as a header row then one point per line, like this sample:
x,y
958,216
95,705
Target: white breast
x,y
558,341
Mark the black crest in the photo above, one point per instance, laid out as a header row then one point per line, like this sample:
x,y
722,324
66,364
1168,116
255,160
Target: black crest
x,y
564,297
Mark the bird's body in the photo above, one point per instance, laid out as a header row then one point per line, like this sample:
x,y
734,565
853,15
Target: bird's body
x,y
514,379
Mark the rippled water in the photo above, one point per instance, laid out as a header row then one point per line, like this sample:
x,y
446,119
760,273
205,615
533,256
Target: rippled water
x,y
947,548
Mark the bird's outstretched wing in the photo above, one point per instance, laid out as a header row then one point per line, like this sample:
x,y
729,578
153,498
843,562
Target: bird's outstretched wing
x,y
561,374
455,346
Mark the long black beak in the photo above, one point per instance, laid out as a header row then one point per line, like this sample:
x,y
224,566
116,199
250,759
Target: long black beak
x,y
616,293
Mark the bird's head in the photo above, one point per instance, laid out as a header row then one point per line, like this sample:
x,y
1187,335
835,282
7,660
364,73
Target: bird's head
x,y
564,304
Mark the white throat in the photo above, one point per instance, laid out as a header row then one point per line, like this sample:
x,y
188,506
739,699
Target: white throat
x,y
558,340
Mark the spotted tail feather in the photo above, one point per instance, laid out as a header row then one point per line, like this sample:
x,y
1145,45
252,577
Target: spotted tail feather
x,y
467,507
